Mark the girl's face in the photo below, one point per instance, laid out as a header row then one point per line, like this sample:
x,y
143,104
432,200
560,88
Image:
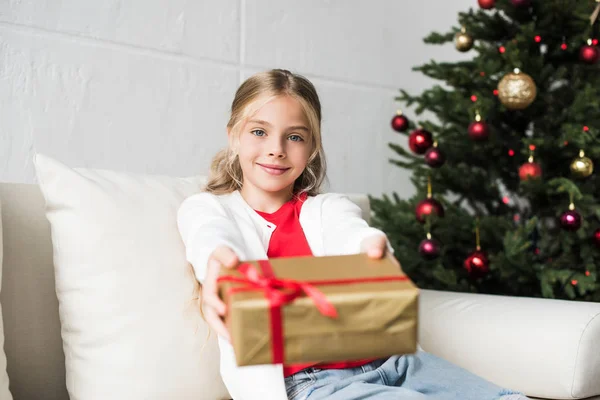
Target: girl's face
x,y
274,147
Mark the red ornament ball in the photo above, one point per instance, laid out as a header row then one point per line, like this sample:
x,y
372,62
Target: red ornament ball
x,y
420,140
400,123
570,220
530,170
478,131
596,237
427,207
477,264
487,4
521,3
434,157
429,249
589,54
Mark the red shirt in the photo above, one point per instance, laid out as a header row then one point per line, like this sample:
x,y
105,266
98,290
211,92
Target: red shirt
x,y
288,240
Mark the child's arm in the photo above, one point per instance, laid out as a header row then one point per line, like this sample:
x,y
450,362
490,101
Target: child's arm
x,y
208,234
204,226
344,229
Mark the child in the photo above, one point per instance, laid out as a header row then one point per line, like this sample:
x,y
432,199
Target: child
x,y
262,200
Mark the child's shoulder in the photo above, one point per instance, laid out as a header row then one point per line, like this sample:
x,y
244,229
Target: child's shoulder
x,y
330,201
206,199
330,197
202,196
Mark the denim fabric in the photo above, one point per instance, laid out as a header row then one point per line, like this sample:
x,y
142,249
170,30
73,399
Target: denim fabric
x,y
420,376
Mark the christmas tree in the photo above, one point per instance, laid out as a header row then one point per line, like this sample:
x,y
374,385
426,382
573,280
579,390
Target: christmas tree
x,y
507,200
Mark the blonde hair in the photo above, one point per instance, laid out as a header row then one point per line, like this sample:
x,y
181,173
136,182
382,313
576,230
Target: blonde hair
x,y
226,172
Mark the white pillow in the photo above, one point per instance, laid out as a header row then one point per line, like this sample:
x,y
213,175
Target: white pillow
x,y
130,327
4,392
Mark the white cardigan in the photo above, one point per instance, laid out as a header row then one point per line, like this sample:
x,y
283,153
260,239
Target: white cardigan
x,y
332,224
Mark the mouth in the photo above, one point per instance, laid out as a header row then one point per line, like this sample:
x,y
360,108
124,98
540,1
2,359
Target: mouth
x,y
273,169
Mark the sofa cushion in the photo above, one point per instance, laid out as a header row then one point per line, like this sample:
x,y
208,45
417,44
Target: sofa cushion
x,y
4,392
130,326
33,346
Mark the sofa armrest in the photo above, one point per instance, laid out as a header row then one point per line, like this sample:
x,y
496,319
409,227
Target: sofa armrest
x,y
542,347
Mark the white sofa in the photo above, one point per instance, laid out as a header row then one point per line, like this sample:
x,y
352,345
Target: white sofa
x,y
546,348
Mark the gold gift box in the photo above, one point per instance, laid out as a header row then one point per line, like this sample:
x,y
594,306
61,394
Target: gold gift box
x,y
376,305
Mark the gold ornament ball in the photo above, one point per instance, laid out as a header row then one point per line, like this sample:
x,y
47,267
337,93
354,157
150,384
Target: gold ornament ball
x,y
517,90
463,41
582,167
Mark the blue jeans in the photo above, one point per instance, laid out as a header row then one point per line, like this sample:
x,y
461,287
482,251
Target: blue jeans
x,y
419,376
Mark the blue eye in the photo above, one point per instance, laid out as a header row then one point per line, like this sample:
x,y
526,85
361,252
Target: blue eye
x,y
296,138
258,132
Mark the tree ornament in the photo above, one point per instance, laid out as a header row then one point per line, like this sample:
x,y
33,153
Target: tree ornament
x,y
589,53
420,140
477,263
582,167
570,220
434,156
428,206
531,169
521,3
399,122
486,4
429,248
463,41
596,237
516,90
478,130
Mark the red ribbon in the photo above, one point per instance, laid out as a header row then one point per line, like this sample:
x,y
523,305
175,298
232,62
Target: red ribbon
x,y
280,292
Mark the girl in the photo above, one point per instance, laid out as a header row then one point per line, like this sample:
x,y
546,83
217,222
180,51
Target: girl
x,y
263,200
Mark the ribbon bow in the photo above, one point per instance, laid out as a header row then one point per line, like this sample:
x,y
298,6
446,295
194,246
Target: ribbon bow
x,y
278,293
275,289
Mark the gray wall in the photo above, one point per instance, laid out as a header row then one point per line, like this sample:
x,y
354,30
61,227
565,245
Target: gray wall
x,y
145,85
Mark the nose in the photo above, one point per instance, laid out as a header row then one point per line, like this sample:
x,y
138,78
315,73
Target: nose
x,y
276,154
277,149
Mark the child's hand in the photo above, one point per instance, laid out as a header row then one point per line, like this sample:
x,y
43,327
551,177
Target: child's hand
x,y
212,305
375,246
